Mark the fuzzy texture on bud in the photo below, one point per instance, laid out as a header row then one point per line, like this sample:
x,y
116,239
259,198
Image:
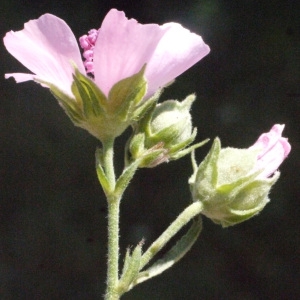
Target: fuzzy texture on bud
x,y
166,130
233,184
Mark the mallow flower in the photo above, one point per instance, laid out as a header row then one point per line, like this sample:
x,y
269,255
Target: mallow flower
x,y
125,63
233,184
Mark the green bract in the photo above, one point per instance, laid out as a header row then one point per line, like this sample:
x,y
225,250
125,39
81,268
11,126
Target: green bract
x,y
104,117
228,187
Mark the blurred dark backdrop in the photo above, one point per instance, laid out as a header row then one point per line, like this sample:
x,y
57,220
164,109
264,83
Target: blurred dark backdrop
x,y
52,210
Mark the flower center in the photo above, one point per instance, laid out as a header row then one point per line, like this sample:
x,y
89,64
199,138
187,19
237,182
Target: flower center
x,y
87,43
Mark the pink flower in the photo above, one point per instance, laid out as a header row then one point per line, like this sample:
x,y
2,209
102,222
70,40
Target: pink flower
x,y
273,150
48,48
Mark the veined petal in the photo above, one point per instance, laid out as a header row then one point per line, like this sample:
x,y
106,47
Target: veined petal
x,y
271,161
122,48
177,51
273,150
268,140
47,47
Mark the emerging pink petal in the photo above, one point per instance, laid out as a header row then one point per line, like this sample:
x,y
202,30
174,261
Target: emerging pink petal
x,y
122,48
47,47
273,150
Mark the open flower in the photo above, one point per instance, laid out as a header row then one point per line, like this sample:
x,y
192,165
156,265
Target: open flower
x,y
233,184
127,62
48,48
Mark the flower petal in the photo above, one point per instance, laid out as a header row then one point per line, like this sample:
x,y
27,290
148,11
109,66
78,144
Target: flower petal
x,y
20,77
266,141
122,48
177,51
47,47
273,159
273,150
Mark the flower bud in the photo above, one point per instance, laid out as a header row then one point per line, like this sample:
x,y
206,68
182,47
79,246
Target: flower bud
x,y
233,184
165,132
171,123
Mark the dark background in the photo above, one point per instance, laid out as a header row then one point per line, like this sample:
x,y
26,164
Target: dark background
x,y
53,212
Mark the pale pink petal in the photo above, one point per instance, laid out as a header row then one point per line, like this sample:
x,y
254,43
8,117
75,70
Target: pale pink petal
x,y
177,51
273,150
20,77
123,46
271,161
267,140
47,47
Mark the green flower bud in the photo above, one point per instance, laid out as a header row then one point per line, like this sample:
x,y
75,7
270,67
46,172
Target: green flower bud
x,y
164,133
171,123
230,184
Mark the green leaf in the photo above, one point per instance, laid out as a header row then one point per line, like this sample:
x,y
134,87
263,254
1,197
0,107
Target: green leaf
x,y
173,255
130,270
126,176
100,172
126,261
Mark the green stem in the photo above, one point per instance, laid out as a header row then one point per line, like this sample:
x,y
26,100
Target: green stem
x,y
108,160
189,213
113,250
113,202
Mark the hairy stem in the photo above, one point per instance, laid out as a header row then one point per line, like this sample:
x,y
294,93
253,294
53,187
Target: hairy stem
x,y
113,202
113,250
108,161
189,213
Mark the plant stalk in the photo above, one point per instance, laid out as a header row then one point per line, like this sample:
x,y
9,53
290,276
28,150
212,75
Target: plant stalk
x,y
113,202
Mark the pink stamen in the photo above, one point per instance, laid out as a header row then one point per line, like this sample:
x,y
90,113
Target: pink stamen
x,y
87,43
